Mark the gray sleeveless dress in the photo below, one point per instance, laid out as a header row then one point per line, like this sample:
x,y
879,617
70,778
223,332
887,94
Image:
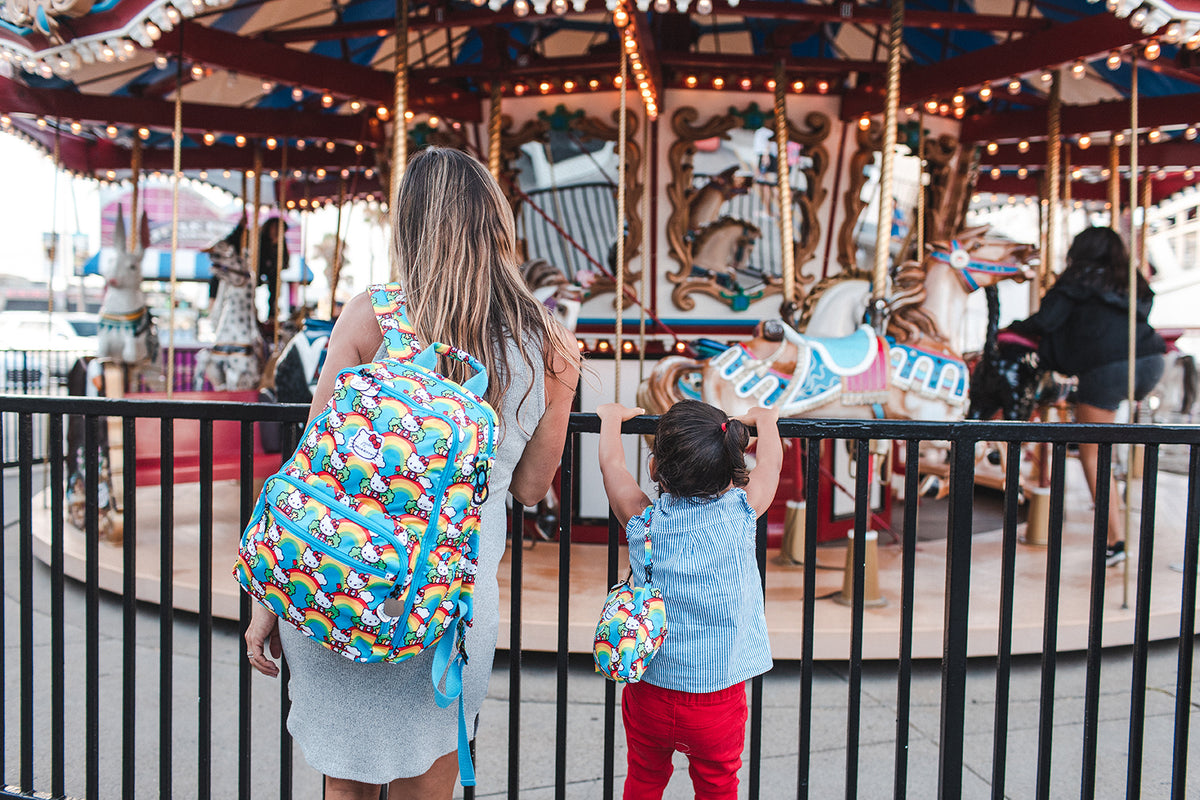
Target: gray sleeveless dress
x,y
377,722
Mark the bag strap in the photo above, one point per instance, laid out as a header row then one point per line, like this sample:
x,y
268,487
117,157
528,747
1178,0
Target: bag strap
x,y
647,554
398,333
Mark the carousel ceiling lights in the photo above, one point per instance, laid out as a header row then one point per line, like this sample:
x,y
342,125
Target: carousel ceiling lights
x,y
985,92
1014,86
1181,19
1084,142
1190,133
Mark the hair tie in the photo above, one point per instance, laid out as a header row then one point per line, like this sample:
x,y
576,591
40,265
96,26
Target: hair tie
x,y
723,424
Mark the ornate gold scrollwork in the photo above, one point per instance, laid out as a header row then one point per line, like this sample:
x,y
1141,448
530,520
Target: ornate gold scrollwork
x,y
583,127
939,153
695,224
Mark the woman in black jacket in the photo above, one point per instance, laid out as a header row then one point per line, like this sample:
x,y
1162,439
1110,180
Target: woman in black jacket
x,y
1083,327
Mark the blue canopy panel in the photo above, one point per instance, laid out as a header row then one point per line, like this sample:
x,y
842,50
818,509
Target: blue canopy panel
x,y
190,265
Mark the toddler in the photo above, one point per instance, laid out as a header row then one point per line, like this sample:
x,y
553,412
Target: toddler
x,y
692,697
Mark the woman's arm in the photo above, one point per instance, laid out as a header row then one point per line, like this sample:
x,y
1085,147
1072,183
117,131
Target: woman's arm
x,y
355,340
1050,316
532,476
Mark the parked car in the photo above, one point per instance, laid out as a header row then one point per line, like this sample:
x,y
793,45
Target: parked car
x,y
37,348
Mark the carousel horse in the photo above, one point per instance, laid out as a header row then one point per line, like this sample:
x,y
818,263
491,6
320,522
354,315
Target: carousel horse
x,y
724,247
234,362
704,203
929,298
862,376
127,334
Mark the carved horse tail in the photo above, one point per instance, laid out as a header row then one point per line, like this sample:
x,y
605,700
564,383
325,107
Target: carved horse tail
x,y
991,345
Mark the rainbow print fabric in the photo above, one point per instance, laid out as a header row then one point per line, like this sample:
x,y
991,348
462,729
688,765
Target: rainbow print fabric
x,y
367,539
633,624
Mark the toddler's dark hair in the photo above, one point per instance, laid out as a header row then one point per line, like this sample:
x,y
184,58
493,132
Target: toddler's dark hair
x,y
699,451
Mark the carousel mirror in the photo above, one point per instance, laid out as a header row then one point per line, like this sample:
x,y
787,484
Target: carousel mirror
x,y
724,225
561,173
857,236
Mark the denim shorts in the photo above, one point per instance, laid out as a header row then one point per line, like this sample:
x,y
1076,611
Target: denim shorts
x,y
1107,385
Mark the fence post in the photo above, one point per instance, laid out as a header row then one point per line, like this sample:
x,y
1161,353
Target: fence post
x,y
958,593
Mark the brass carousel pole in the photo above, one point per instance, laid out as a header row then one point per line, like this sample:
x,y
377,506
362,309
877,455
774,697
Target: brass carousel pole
x,y
622,124
645,269
1131,356
921,186
1114,183
253,221
1066,192
280,229
135,175
400,117
176,175
1053,180
887,205
494,132
787,251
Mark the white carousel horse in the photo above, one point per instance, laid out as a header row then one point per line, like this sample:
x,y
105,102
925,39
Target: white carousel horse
x,y
126,333
234,362
861,376
929,298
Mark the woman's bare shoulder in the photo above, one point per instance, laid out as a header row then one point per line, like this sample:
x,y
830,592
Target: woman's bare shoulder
x,y
357,328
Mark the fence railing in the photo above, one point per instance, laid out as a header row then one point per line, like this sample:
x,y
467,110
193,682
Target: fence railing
x,y
97,705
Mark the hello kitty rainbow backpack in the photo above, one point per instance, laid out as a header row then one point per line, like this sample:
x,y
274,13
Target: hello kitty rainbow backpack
x,y
367,539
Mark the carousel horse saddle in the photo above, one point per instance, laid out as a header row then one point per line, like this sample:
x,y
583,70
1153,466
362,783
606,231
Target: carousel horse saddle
x,y
846,355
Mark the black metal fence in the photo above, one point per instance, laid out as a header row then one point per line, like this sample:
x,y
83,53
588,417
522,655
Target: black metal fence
x,y
104,697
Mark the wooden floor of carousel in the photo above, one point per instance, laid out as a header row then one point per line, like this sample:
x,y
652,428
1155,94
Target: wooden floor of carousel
x,y
784,583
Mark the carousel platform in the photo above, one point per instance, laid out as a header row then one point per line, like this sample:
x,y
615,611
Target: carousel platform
x,y
784,583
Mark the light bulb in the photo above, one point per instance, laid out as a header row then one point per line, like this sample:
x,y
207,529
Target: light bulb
x,y
1014,86
1114,59
985,92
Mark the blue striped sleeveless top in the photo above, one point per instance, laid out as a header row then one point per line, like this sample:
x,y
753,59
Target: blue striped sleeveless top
x,y
705,565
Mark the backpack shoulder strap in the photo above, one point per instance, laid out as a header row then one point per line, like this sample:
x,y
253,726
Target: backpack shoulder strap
x,y
398,333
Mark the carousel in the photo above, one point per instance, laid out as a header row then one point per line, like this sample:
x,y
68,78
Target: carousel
x,y
753,203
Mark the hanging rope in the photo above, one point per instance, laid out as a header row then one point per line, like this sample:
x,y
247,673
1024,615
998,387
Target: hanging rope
x,y
787,250
400,120
1053,180
622,123
494,119
281,192
879,276
176,176
337,249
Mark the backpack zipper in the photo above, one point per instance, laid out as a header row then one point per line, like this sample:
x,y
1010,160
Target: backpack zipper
x,y
298,530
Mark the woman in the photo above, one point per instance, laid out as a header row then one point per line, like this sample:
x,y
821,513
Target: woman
x,y
1083,326
364,725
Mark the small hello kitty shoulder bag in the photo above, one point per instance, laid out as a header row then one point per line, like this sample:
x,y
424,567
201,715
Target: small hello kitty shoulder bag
x,y
367,539
633,624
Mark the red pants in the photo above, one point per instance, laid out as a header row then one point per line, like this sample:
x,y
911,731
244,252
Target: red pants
x,y
709,729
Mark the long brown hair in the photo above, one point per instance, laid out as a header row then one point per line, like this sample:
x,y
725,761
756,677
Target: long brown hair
x,y
454,249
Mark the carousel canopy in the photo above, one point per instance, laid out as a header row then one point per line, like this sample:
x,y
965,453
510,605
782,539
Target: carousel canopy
x,y
312,83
